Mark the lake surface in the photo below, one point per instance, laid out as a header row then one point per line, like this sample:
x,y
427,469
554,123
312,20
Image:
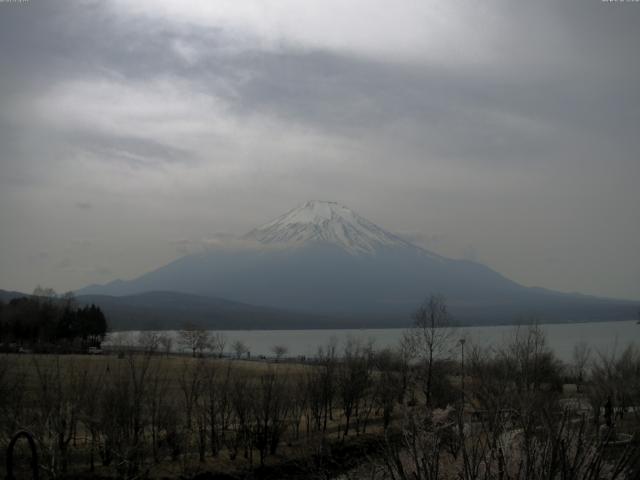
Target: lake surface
x,y
605,337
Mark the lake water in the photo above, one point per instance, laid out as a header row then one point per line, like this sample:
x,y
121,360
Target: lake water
x,y
606,337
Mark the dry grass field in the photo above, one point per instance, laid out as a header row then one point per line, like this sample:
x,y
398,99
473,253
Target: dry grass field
x,y
70,401
357,413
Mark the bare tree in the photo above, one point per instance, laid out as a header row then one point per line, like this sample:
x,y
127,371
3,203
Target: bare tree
x,y
12,393
149,341
615,379
45,293
69,300
354,380
90,409
430,338
279,351
218,383
298,395
166,343
239,348
157,404
387,383
195,338
218,343
581,356
270,410
242,400
59,394
314,383
518,430
418,454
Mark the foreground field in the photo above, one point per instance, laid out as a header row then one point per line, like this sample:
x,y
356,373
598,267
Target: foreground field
x,y
124,415
516,413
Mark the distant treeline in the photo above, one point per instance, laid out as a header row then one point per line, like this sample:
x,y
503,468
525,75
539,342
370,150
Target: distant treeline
x,y
45,318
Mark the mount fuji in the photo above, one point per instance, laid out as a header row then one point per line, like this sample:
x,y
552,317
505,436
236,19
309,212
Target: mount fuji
x,y
322,259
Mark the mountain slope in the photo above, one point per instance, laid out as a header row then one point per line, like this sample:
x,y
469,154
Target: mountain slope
x,y
6,295
171,310
322,258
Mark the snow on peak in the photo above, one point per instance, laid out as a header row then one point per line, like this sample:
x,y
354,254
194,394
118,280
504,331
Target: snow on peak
x,y
321,221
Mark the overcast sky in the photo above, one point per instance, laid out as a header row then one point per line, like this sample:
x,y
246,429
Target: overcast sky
x,y
132,132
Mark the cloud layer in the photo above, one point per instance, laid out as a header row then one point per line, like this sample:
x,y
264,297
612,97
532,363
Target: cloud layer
x,y
499,131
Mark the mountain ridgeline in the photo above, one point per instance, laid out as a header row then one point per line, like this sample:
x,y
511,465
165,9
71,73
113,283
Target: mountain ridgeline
x,y
322,265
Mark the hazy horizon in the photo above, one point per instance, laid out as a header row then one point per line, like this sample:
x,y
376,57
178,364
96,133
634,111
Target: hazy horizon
x,y
132,133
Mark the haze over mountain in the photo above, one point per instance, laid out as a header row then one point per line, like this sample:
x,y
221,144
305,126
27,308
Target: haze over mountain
x,y
322,258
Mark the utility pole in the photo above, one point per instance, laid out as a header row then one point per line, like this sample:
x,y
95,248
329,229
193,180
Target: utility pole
x,y
462,342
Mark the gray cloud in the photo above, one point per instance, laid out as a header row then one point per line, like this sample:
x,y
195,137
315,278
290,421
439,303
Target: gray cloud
x,y
509,127
103,271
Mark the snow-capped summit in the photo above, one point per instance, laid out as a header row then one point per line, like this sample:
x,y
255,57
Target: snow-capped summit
x,y
330,222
